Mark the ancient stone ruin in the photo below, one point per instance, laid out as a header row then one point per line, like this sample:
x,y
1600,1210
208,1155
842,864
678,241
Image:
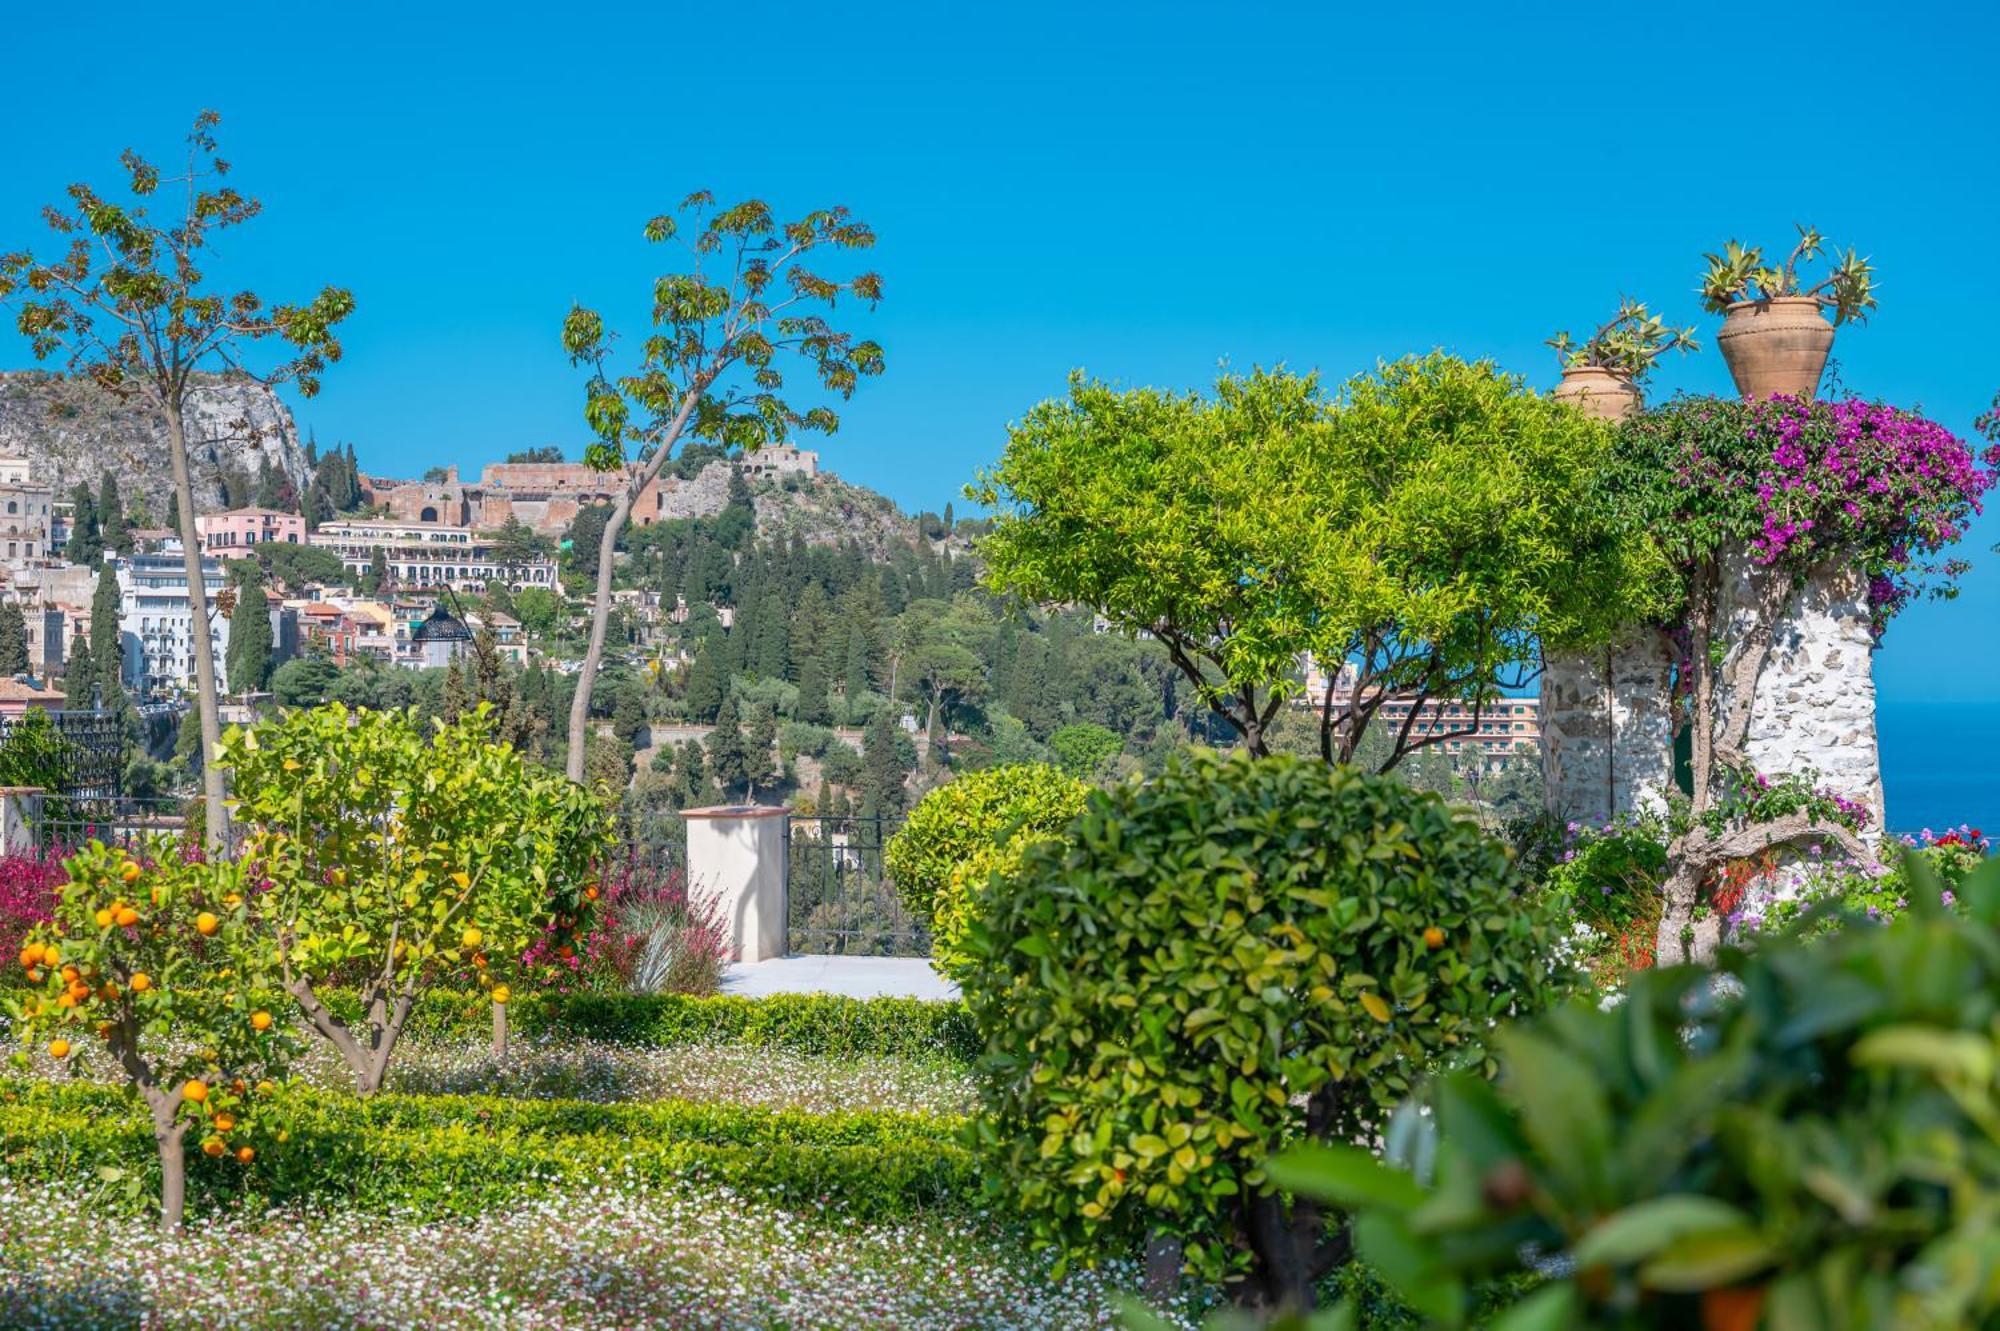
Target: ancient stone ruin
x,y
1608,716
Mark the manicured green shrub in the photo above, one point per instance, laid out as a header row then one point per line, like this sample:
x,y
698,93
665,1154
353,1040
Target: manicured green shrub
x,y
1235,957
459,1155
1806,1137
964,831
799,1023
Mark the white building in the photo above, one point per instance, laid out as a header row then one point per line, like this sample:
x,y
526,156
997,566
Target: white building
x,y
429,554
156,621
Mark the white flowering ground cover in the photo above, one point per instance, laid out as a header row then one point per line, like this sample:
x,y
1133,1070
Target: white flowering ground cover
x,y
609,1258
573,1069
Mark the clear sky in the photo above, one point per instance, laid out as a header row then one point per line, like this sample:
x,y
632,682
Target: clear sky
x,y
1142,191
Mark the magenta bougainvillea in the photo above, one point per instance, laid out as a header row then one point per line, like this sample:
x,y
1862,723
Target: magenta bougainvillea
x,y
1797,482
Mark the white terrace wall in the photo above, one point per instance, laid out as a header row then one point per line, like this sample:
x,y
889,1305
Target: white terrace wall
x,y
1607,730
1814,708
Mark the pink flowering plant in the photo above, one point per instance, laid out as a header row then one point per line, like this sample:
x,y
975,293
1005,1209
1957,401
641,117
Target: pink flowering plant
x,y
27,897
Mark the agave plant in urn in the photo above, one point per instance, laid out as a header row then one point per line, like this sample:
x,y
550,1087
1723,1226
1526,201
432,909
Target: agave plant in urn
x,y
1775,335
1602,374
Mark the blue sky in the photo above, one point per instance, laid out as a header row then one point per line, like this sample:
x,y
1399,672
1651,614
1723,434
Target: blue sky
x,y
1142,191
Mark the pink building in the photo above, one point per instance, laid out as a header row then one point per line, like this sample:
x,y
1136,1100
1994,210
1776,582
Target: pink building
x,y
227,533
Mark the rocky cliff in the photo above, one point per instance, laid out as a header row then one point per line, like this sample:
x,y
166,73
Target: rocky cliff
x,y
72,430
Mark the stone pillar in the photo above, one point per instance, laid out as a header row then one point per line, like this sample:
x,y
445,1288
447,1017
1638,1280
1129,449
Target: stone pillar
x,y
20,820
1814,709
1607,729
736,860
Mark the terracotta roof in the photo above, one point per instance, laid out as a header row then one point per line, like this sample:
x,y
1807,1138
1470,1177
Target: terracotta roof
x,y
251,511
14,690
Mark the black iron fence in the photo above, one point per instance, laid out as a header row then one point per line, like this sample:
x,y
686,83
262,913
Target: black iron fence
x,y
66,824
86,759
838,898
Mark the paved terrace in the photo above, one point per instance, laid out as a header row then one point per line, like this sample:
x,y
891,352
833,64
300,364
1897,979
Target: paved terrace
x,y
856,977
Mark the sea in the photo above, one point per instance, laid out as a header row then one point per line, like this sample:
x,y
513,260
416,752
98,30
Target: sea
x,y
1940,764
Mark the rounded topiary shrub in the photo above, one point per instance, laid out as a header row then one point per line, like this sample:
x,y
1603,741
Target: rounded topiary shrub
x,y
964,831
1215,965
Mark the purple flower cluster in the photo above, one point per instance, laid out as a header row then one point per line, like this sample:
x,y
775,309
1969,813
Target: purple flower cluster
x,y
1862,478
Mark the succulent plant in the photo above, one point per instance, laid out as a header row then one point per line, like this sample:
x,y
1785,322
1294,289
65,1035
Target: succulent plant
x,y
1739,274
1627,344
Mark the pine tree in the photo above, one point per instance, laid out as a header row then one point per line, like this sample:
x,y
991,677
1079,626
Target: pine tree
x,y
114,530
248,661
13,641
628,714
704,683
86,543
727,760
271,486
80,675
693,765
813,707
107,640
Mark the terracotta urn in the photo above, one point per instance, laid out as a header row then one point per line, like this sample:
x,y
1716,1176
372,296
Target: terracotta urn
x,y
1599,392
1775,346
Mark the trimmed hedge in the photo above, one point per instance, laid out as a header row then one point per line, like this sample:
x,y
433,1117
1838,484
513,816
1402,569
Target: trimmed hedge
x,y
911,1028
459,1155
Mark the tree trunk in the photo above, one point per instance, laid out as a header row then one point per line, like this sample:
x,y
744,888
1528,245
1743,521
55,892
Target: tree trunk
x,y
215,823
1283,1242
607,559
171,1138
499,1030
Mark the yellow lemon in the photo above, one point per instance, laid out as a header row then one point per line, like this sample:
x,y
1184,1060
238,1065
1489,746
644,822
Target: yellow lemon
x,y
471,938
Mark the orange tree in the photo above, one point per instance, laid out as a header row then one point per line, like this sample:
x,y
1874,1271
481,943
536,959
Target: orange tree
x,y
398,859
159,956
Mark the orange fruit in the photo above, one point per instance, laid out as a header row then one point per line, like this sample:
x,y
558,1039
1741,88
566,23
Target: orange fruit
x,y
245,1155
34,975
470,938
130,871
50,956
213,1146
125,917
196,1090
69,974
1433,938
260,1021
206,924
59,1049
590,893
79,990
65,999
501,993
31,954
103,919
224,1122
141,982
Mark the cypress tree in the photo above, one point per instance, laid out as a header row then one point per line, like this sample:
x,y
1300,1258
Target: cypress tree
x,y
1028,687
376,580
727,760
80,675
13,640
813,707
248,660
108,641
115,532
881,768
456,701
854,679
704,683
762,735
772,631
270,486
86,544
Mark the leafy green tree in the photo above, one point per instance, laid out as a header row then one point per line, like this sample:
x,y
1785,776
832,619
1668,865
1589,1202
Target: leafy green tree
x,y
541,453
249,653
1157,1028
1430,526
711,369
86,543
452,856
13,640
111,520
130,303
1085,749
539,610
304,681
628,714
295,566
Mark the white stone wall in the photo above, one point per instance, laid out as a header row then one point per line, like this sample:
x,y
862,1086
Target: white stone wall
x,y
1607,729
1815,703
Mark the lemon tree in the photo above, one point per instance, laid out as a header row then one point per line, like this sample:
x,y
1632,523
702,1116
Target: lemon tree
x,y
159,958
399,858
